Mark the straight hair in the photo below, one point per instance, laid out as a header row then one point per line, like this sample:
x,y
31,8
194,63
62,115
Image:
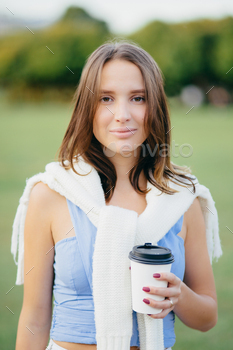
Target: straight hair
x,y
80,140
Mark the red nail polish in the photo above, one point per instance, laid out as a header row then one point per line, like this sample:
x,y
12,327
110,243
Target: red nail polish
x,y
156,275
146,301
146,289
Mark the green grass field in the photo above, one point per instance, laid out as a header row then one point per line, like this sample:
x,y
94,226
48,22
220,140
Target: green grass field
x,y
30,137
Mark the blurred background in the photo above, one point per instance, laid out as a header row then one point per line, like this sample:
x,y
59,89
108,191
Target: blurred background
x,y
43,48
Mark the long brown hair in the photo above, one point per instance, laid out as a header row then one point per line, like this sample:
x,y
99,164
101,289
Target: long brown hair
x,y
80,140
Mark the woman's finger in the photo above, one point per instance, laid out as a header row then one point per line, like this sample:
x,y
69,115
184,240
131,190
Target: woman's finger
x,y
166,276
165,304
163,292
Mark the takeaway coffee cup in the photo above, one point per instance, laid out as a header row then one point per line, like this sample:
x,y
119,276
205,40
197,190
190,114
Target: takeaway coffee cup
x,y
146,260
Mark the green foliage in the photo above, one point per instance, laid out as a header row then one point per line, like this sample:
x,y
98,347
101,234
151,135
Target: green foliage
x,y
79,16
197,52
223,55
74,13
25,59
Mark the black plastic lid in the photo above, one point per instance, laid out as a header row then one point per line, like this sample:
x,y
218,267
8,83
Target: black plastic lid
x,y
151,254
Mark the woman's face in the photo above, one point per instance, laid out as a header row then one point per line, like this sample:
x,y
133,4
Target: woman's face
x,y
120,106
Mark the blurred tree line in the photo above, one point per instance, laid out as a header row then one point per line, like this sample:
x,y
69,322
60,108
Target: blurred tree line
x,y
197,52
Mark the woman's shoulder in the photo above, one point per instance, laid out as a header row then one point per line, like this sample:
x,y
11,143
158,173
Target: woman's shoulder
x,y
192,214
44,200
194,218
194,211
52,207
43,194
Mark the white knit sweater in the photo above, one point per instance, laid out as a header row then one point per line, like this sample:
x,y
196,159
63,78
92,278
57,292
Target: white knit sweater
x,y
118,230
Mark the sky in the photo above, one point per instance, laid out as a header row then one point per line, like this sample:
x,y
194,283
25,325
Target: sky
x,y
122,16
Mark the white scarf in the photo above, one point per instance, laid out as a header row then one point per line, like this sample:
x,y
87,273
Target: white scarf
x,y
118,230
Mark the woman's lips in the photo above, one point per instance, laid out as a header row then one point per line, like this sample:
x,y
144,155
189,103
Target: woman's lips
x,y
123,134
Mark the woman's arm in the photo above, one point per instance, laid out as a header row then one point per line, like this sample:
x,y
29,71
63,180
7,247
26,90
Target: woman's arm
x,y
197,305
195,300
35,318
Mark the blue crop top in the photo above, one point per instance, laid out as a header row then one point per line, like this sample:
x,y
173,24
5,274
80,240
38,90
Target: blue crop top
x,y
73,312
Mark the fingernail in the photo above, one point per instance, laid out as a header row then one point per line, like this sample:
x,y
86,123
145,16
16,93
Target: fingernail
x,y
146,301
156,275
130,267
146,289
149,314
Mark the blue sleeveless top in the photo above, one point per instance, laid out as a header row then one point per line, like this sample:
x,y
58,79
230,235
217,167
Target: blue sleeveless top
x,y
73,312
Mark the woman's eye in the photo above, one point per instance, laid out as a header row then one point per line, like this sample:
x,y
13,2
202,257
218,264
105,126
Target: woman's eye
x,y
142,98
103,98
137,97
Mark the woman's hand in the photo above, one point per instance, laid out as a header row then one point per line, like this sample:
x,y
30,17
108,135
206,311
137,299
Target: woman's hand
x,y
172,292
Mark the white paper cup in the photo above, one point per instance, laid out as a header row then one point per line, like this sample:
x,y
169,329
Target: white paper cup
x,y
145,261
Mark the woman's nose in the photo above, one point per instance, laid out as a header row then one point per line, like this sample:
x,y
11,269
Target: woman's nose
x,y
121,111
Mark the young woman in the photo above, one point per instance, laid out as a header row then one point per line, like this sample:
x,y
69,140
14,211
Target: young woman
x,y
120,105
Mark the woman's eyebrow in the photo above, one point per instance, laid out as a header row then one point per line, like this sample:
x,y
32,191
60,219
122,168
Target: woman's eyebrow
x,y
110,91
